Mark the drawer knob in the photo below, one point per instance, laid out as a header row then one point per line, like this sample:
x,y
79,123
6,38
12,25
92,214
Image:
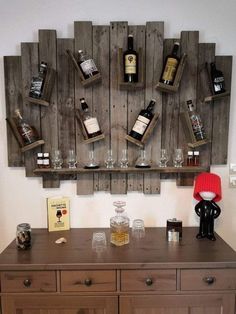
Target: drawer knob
x,y
149,281
209,280
27,283
88,282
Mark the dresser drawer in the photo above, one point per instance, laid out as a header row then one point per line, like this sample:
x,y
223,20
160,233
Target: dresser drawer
x,y
148,280
91,280
208,279
28,281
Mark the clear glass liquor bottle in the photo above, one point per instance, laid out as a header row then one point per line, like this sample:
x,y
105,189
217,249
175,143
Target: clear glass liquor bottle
x,y
119,225
196,122
87,65
90,123
27,132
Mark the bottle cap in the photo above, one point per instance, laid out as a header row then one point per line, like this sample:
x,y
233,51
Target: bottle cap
x,y
46,155
40,154
80,51
196,153
190,153
130,35
82,100
177,43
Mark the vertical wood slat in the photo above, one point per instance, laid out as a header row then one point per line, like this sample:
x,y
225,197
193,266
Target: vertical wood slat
x,y
206,53
49,125
135,104
188,90
83,40
101,106
66,104
221,110
154,62
118,103
170,114
29,60
13,93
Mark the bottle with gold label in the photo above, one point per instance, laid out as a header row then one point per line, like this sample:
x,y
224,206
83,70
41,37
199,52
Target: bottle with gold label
x,y
119,225
170,66
130,63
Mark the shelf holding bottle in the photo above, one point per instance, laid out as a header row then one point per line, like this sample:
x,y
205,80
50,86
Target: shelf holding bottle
x,y
42,85
87,77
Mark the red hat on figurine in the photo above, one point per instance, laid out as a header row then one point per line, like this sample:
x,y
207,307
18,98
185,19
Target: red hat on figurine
x,y
207,182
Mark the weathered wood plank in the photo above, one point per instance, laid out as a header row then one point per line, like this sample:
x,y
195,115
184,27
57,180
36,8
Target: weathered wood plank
x,y
83,40
65,86
13,94
29,60
154,62
135,104
170,114
101,107
49,125
206,53
188,90
118,103
221,110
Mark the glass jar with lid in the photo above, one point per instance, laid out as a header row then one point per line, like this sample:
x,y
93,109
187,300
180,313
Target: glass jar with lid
x,y
119,225
23,236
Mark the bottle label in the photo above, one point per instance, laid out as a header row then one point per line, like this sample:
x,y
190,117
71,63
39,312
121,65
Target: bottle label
x,y
39,161
140,125
91,125
46,162
88,66
170,69
130,64
197,127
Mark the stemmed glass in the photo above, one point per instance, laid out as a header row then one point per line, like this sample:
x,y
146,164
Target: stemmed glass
x,y
163,158
178,158
109,160
57,160
124,159
71,159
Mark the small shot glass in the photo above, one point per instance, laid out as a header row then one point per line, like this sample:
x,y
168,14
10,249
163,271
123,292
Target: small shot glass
x,y
99,241
138,229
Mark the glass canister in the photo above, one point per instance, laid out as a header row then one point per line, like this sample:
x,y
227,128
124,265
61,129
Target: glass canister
x,y
23,236
119,225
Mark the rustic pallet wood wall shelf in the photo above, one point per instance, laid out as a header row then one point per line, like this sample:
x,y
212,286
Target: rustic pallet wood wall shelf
x,y
116,108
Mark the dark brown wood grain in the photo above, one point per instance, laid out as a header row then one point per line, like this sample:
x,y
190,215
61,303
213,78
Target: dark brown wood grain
x,y
13,94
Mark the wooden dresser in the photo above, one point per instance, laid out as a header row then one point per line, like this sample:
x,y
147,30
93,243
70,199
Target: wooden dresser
x,y
146,276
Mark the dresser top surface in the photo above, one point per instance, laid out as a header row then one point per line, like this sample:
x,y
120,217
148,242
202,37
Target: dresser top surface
x,y
152,251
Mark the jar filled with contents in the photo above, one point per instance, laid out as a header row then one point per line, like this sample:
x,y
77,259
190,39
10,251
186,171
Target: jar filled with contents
x,y
23,236
119,225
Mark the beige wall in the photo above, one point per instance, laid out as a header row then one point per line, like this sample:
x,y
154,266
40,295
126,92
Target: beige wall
x,y
23,199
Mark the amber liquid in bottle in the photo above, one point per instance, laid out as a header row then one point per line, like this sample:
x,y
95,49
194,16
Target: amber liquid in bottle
x,y
27,132
119,226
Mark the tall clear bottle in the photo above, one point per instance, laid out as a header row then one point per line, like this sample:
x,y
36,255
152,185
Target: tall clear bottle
x,y
90,123
27,132
130,62
170,66
196,122
119,225
86,64
143,120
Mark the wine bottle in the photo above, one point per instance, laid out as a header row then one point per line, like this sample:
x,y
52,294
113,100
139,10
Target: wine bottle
x,y
27,132
142,122
130,58
37,82
170,66
196,122
217,79
90,122
87,65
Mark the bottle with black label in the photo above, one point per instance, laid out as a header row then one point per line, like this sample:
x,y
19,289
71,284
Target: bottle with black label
x,y
130,63
37,82
217,79
170,66
196,122
27,132
142,122
90,122
87,65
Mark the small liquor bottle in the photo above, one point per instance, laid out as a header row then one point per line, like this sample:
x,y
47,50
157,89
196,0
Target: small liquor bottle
x,y
86,65
26,131
142,122
217,79
130,58
37,83
170,66
196,122
90,123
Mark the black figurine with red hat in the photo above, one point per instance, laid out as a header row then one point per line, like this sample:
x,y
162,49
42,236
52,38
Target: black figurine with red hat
x,y
207,190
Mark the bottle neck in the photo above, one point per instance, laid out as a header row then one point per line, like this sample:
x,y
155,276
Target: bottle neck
x,y
175,49
130,43
190,105
151,105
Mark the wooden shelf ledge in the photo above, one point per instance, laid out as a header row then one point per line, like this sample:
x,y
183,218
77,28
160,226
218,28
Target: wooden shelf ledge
x,y
65,171
217,96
